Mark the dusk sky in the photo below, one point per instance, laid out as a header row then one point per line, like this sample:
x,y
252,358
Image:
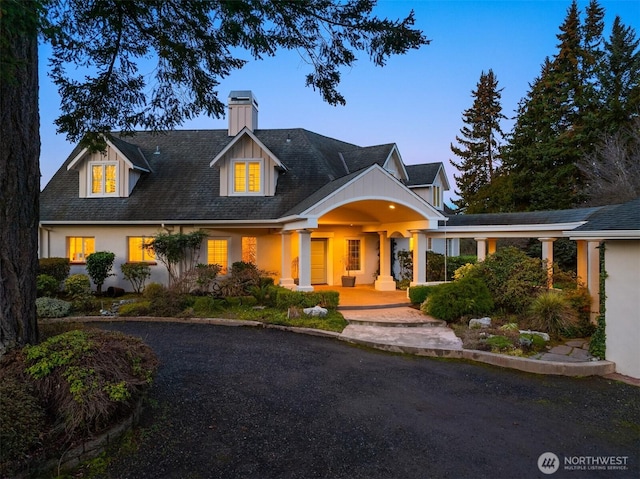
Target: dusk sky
x,y
415,101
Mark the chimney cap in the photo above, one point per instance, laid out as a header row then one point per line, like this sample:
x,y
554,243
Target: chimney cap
x,y
242,97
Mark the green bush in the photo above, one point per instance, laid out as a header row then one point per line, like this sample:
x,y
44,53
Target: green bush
x,y
137,274
418,294
207,305
166,302
52,308
287,298
141,308
99,266
47,285
551,312
77,285
512,277
435,266
456,262
57,267
87,378
154,290
465,297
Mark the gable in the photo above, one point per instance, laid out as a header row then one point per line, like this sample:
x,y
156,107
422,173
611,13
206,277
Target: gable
x,y
246,147
125,168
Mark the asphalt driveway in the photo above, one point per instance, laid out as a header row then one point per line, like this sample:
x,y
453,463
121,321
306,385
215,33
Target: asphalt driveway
x,y
234,402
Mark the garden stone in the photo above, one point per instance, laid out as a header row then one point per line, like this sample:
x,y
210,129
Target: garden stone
x,y
316,311
480,323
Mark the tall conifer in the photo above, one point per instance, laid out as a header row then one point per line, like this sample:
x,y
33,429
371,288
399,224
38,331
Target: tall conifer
x,y
478,144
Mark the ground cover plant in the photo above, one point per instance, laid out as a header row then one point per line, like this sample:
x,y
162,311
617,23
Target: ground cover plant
x,y
61,392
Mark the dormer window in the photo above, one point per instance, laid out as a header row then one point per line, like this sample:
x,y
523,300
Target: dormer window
x,y
247,176
103,178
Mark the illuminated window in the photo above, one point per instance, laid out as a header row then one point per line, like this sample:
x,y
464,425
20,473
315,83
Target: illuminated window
x,y
249,249
103,178
247,176
353,254
138,254
217,253
80,247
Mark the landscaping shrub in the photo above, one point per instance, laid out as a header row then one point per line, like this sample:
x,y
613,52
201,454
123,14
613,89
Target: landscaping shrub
x,y
551,312
47,285
456,262
141,308
418,294
207,305
435,266
165,302
452,301
99,266
88,378
52,308
57,267
78,289
512,277
326,299
137,274
499,343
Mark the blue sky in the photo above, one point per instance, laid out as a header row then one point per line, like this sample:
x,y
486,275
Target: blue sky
x,y
416,100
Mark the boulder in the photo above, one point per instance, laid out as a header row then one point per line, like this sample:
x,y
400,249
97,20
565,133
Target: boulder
x,y
316,311
479,323
544,336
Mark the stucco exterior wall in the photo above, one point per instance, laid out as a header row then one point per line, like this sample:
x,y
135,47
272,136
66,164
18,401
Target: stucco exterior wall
x,y
622,264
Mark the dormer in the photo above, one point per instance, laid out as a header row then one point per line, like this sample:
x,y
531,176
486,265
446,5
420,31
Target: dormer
x,y
110,173
429,181
247,167
395,165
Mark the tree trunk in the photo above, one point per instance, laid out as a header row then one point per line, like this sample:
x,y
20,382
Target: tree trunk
x,y
19,175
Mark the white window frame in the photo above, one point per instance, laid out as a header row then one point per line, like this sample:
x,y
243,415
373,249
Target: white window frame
x,y
246,162
82,258
103,164
360,253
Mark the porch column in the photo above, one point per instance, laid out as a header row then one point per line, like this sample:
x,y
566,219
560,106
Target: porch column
x,y
593,278
304,266
419,258
385,281
582,269
547,255
492,244
286,278
481,248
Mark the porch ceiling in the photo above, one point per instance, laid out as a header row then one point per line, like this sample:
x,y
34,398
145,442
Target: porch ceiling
x,y
370,212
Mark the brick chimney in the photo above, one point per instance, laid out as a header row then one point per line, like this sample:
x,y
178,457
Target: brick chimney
x,y
243,111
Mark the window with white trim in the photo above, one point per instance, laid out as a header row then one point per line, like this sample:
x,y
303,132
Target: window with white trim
x,y
437,201
137,252
353,259
79,247
218,253
103,178
247,176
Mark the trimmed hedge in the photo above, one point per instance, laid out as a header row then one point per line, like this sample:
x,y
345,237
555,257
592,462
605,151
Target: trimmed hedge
x,y
57,267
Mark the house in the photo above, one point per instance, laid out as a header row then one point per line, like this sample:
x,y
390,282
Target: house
x,y
294,202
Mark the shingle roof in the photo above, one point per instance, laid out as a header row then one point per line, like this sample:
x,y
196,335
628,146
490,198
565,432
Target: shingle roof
x,y
424,174
523,218
625,216
182,186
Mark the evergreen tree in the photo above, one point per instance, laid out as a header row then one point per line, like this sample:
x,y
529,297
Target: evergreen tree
x,y
619,77
549,135
478,144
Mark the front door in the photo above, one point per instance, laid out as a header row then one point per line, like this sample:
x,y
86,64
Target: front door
x,y
318,261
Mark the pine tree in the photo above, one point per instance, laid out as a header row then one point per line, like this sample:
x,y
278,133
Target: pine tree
x,y
619,77
479,142
548,137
